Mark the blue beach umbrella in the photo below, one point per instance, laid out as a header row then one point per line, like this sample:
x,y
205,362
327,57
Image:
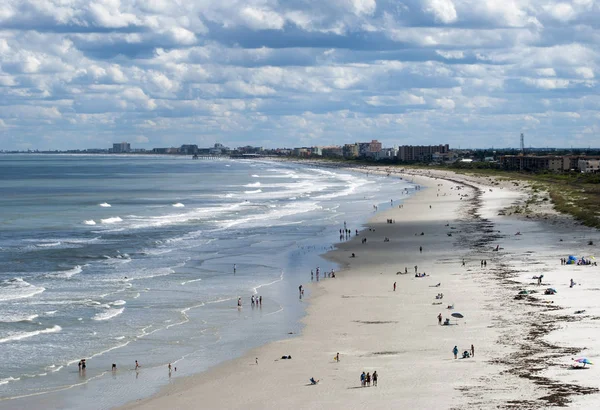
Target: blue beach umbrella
x,y
584,360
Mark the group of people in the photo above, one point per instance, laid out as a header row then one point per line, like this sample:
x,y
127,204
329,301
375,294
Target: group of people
x,y
483,263
365,379
446,321
81,365
256,300
466,354
573,261
330,274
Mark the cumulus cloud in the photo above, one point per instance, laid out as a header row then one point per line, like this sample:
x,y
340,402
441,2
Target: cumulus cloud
x,y
442,10
270,72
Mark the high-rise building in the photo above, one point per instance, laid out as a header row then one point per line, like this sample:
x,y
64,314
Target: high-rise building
x,y
421,152
121,147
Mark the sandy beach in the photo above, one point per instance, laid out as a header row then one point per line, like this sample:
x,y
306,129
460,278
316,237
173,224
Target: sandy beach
x,y
524,344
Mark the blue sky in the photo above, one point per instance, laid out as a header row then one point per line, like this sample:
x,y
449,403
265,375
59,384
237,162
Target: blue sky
x,y
85,74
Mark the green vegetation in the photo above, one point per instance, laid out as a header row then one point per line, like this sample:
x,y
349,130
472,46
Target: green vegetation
x,y
572,193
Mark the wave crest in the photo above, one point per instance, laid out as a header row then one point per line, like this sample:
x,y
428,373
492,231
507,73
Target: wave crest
x,y
27,335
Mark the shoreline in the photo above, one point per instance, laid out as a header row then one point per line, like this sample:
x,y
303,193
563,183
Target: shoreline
x,y
365,282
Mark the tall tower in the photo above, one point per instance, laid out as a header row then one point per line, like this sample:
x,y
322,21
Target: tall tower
x,y
522,143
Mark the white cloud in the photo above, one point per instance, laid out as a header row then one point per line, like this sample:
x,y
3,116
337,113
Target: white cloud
x,y
546,72
260,19
107,13
445,103
561,11
451,55
182,36
442,10
364,6
339,70
547,83
585,72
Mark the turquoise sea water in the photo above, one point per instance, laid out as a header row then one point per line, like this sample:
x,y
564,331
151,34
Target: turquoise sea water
x,y
123,258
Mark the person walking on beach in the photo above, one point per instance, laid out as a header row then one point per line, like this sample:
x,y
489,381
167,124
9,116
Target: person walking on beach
x,y
415,268
137,365
363,378
463,262
239,302
300,291
312,275
421,249
337,357
368,379
455,351
394,286
375,378
234,268
440,319
472,350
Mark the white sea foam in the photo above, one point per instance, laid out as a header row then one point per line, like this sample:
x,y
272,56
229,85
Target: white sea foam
x,y
108,314
89,222
178,205
48,244
118,303
273,216
253,185
105,205
8,380
66,273
53,368
112,220
17,288
190,281
257,191
8,317
193,214
26,335
255,176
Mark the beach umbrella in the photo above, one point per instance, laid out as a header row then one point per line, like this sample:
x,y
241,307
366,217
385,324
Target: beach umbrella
x,y
584,360
457,315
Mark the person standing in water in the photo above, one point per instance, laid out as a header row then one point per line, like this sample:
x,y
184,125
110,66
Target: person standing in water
x,y
234,268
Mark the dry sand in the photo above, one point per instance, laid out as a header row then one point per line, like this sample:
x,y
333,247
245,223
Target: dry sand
x,y
522,347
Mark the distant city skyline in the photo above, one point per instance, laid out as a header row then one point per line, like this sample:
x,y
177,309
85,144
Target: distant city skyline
x,y
474,74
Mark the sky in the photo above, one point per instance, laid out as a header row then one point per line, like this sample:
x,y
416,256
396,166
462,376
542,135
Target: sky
x,y
78,74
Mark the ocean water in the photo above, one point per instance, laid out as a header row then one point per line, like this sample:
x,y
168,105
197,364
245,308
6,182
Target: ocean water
x,y
123,258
